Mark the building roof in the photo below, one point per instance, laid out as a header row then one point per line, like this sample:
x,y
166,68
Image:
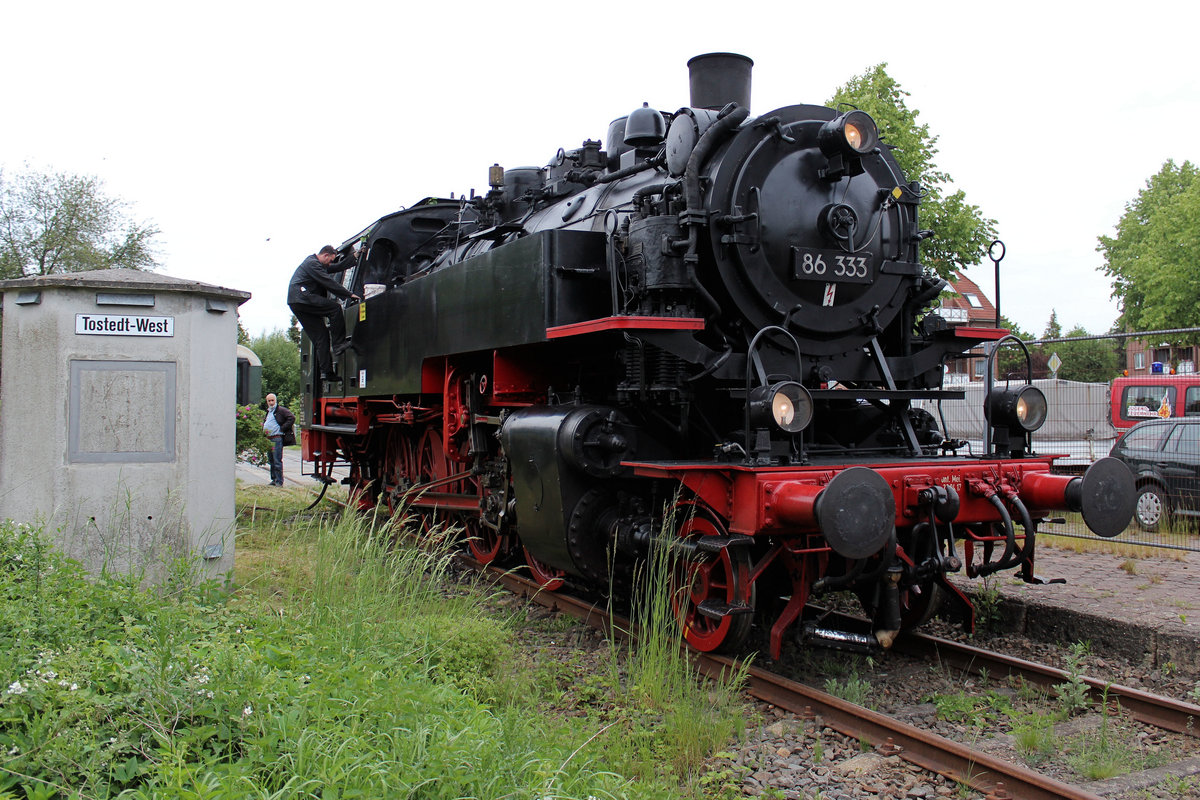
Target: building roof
x,y
123,279
981,311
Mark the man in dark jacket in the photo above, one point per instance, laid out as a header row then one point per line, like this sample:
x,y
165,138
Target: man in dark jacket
x,y
309,298
278,427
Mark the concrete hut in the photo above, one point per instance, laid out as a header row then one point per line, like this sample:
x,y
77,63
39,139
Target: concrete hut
x,y
116,417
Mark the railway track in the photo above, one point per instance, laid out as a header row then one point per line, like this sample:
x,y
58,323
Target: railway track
x,y
995,777
1162,712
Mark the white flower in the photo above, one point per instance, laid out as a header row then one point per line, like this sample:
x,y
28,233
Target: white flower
x,y
16,751
16,688
74,686
247,711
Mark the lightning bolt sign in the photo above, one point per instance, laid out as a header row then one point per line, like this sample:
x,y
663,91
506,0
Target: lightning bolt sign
x,y
830,289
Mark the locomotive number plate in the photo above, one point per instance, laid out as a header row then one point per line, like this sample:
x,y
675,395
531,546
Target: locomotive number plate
x,y
831,266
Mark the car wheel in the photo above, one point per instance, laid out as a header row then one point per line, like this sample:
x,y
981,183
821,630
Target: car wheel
x,y
1150,510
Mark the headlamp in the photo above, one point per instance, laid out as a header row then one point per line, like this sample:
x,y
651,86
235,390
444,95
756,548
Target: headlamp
x,y
1022,408
852,133
786,406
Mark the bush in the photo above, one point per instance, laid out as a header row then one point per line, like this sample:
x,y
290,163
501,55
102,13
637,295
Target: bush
x,y
252,446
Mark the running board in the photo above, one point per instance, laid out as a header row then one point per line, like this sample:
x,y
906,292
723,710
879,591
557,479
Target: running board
x,y
715,544
717,609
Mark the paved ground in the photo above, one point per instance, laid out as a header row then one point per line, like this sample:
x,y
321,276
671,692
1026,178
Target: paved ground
x,y
291,471
1147,608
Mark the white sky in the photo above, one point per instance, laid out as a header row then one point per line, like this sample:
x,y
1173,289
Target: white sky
x,y
252,133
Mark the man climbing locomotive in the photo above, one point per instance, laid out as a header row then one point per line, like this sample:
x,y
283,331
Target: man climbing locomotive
x,y
709,330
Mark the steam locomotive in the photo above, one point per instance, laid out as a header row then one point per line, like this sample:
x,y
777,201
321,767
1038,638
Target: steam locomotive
x,y
708,331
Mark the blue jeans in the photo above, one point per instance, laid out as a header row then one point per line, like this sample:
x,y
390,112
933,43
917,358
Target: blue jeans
x,y
276,456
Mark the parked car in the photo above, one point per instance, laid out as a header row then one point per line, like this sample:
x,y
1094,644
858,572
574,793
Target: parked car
x,y
1164,456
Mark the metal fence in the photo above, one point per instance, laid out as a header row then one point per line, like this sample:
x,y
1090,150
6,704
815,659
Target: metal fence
x,y
1080,428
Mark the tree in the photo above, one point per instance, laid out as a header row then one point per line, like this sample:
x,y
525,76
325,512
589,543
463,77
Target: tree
x,y
281,366
1053,329
1091,360
294,331
961,234
53,223
1154,260
1011,358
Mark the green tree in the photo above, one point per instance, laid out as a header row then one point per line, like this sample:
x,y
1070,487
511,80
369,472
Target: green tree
x,y
281,366
1011,359
1053,329
961,234
1091,360
54,223
294,330
1154,260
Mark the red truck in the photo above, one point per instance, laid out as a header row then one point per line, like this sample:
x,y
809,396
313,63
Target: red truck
x,y
1141,397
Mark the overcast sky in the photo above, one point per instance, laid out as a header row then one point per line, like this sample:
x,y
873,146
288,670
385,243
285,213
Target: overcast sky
x,y
252,133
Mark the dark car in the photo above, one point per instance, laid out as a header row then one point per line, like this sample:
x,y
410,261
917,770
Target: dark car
x,y
1164,457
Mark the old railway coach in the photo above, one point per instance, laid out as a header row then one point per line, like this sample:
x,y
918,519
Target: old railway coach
x,y
709,330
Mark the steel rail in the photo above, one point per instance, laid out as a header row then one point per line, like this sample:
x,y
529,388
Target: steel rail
x,y
1162,712
957,762
1167,713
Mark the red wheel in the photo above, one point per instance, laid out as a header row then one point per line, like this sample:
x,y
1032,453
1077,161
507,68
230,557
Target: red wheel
x,y
483,542
399,470
548,577
362,494
720,580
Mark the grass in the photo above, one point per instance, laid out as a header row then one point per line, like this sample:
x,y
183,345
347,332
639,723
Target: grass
x,y
336,663
853,689
1175,541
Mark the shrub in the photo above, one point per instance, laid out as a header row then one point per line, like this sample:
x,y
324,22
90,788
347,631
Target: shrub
x,y
252,446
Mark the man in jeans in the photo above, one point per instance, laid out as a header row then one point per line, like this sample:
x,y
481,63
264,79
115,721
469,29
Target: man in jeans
x,y
309,297
278,427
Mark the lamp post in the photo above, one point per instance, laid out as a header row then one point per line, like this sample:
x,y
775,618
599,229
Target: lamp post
x,y
996,254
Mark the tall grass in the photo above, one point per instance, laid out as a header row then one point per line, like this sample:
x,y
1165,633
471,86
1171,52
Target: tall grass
x,y
699,716
345,663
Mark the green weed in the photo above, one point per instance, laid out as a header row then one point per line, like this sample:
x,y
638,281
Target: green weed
x,y
1106,753
1035,737
987,600
853,690
976,711
1073,694
344,662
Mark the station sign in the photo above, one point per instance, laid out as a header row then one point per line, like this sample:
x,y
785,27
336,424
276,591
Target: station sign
x,y
123,325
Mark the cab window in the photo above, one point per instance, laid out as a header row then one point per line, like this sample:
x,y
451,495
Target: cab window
x,y
1191,401
1184,440
1146,402
1146,437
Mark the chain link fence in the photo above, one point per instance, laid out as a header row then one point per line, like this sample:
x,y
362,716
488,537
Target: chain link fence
x,y
1153,378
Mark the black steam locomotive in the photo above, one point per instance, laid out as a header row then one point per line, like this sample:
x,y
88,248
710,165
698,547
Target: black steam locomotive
x,y
712,329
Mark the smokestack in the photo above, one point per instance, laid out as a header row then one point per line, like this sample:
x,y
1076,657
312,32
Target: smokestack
x,y
718,79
